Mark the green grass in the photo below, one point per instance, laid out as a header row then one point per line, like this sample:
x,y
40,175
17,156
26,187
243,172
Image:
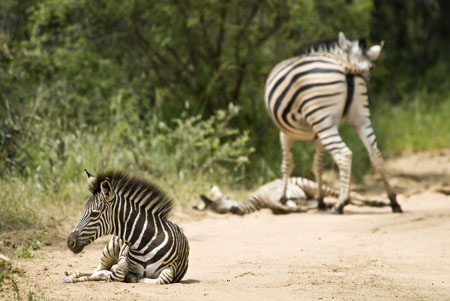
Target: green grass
x,y
420,123
185,158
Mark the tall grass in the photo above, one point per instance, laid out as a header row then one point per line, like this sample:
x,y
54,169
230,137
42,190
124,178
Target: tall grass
x,y
184,156
419,123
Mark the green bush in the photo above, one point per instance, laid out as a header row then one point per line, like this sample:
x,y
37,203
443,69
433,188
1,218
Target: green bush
x,y
154,88
191,153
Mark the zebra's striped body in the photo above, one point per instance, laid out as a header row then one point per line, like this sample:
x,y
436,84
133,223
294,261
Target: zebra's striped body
x,y
146,246
299,191
308,96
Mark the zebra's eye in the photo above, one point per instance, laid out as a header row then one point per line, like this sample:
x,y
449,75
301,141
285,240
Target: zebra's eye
x,y
95,213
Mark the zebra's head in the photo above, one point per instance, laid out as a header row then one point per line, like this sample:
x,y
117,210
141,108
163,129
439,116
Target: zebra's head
x,y
357,53
217,203
95,219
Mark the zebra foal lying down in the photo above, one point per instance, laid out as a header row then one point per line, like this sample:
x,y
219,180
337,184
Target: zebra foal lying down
x,y
299,191
146,246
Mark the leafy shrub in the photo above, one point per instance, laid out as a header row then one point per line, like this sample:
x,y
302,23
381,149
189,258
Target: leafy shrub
x,y
208,146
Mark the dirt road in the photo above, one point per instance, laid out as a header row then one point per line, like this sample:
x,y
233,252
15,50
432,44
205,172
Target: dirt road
x,y
368,253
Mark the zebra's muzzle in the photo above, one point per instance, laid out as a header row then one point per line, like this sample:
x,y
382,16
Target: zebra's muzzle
x,y
74,244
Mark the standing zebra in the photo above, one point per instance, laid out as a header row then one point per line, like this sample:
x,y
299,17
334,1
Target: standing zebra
x,y
146,247
307,97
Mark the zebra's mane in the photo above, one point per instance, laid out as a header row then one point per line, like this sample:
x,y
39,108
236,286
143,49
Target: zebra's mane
x,y
122,182
327,45
322,45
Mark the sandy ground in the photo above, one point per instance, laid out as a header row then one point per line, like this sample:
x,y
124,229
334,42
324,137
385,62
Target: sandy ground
x,y
367,253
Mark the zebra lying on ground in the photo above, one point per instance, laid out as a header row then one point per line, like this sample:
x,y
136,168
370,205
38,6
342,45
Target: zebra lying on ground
x,y
146,247
268,196
308,96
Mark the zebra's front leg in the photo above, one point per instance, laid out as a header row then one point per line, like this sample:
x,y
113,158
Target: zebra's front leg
x,y
368,138
93,276
117,273
287,164
342,155
318,171
110,256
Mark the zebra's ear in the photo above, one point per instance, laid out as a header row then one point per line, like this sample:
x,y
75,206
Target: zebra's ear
x,y
342,40
374,52
206,202
107,191
91,178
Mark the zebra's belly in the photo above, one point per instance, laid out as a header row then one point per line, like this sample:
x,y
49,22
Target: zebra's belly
x,y
271,192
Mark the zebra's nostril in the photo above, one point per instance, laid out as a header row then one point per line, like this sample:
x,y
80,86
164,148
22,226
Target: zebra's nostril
x,y
72,240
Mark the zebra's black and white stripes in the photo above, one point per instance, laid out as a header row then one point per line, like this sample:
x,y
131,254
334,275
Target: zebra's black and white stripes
x,y
146,246
309,95
299,191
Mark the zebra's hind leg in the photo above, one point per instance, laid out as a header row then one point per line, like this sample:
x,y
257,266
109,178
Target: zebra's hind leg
x,y
287,164
318,171
165,277
342,155
368,138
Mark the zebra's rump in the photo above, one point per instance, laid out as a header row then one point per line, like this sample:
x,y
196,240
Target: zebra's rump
x,y
170,249
298,95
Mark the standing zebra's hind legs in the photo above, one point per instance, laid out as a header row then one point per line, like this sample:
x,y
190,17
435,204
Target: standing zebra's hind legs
x,y
338,208
283,199
396,208
321,205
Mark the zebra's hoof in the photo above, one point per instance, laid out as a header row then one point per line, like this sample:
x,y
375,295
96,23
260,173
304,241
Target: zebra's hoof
x,y
322,206
236,210
67,280
301,209
131,278
396,208
283,200
337,210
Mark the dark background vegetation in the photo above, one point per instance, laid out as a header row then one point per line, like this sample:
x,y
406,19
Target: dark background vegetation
x,y
174,89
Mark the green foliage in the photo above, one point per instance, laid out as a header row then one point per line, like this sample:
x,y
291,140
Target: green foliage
x,y
190,152
4,277
416,124
154,87
34,244
204,145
